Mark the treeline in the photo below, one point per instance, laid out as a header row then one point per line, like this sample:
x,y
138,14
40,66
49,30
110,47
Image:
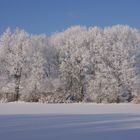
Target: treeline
x,y
78,65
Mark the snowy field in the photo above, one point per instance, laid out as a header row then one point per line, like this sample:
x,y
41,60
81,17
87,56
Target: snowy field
x,y
30,121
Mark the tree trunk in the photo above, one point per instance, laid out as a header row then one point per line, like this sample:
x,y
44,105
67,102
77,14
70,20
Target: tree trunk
x,y
17,83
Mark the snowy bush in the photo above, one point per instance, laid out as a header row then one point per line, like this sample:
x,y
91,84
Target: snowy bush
x,y
136,99
7,97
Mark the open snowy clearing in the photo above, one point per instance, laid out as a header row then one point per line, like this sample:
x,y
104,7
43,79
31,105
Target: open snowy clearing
x,y
75,108
33,121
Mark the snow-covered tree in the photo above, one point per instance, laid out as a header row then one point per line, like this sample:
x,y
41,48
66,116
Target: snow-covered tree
x,y
82,64
13,46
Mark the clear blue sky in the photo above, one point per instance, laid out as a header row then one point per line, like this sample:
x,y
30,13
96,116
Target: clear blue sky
x,y
49,16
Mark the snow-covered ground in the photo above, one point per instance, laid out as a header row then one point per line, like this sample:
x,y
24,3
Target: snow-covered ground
x,y
30,121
